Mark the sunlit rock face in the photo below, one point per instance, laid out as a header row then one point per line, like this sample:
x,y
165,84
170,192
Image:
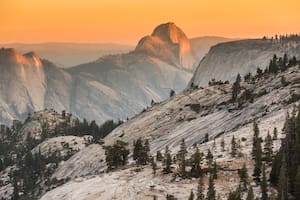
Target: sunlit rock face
x,y
169,43
22,84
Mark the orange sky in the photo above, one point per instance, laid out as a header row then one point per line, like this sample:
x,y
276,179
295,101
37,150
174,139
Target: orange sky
x,y
125,21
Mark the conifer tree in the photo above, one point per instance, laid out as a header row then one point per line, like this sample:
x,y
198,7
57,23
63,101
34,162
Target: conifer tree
x,y
137,149
284,61
258,161
215,170
263,184
206,137
181,156
257,152
211,192
153,165
170,197
236,195
15,195
268,149
172,93
243,174
141,151
275,134
233,147
116,155
147,148
195,163
200,190
159,156
192,196
250,194
167,161
259,72
223,144
297,184
209,158
282,190
276,165
236,88
255,138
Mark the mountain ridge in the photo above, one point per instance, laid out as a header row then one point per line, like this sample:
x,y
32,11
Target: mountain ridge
x,y
111,87
225,60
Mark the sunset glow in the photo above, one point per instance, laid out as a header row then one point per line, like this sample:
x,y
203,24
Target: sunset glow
x,y
121,21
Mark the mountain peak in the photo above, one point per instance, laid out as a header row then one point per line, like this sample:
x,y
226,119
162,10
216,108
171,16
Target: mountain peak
x,y
169,43
12,56
33,58
169,32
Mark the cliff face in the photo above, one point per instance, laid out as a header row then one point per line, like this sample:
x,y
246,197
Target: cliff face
x,y
22,84
169,43
224,61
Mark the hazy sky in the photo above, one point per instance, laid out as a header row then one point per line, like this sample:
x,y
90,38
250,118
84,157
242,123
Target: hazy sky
x,y
126,21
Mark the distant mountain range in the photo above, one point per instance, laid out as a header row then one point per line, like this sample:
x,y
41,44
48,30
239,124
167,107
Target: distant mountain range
x,y
66,55
70,54
112,87
121,85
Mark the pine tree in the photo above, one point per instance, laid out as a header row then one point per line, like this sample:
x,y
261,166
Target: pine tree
x,y
200,190
257,152
209,158
284,61
275,134
147,149
250,194
259,72
15,195
159,156
297,184
137,148
195,163
276,165
273,65
172,93
236,88
206,137
223,144
181,156
211,192
170,197
167,161
153,165
263,184
116,155
141,151
243,174
268,149
282,190
233,147
258,161
192,196
215,171
236,195
255,138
